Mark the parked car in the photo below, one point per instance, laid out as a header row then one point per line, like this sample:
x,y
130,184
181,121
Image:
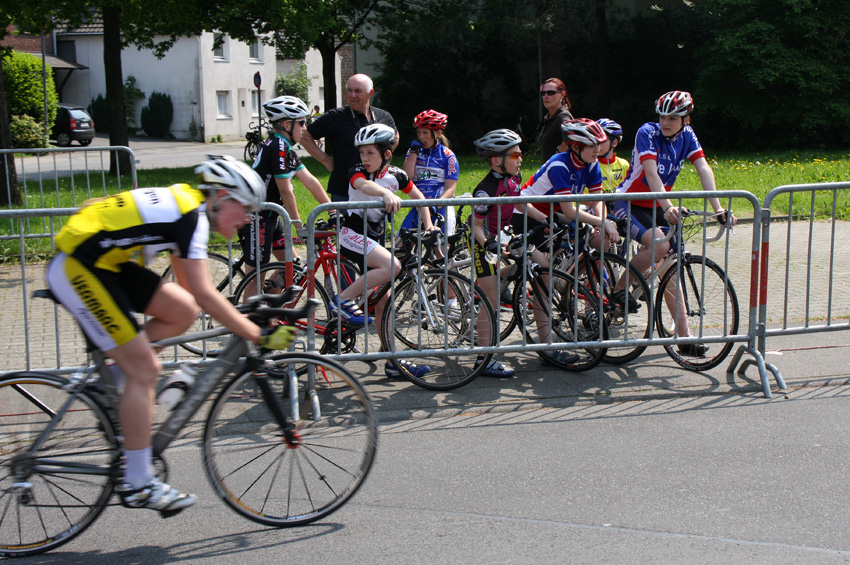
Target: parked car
x,y
72,124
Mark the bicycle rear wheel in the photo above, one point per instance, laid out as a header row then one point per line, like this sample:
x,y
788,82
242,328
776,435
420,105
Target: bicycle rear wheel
x,y
265,479
620,324
52,495
710,306
571,316
252,149
422,319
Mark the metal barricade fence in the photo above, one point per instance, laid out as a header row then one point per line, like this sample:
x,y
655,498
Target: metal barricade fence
x,y
371,348
41,335
796,294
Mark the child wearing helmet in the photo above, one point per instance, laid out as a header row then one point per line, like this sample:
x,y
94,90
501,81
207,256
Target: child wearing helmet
x,y
432,166
614,169
573,172
277,163
361,237
98,275
659,152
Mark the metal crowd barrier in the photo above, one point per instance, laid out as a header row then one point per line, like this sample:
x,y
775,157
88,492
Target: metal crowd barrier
x,y
746,335
810,303
61,177
30,347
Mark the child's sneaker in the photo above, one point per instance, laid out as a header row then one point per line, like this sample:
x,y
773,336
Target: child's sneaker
x,y
417,371
349,311
496,369
155,495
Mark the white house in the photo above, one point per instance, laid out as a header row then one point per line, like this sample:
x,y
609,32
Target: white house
x,y
214,89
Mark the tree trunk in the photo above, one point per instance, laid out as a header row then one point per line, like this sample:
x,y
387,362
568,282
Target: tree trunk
x,y
10,191
118,161
325,46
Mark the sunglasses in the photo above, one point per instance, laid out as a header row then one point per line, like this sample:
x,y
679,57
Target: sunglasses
x,y
549,92
301,123
515,155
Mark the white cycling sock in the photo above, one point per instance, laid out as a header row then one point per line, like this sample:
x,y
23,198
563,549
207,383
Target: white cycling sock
x,y
139,468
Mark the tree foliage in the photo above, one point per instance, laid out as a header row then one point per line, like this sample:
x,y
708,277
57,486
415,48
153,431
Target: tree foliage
x,y
777,71
294,83
24,83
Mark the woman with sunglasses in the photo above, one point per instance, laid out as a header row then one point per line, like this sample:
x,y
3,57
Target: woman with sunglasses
x,y
276,164
554,94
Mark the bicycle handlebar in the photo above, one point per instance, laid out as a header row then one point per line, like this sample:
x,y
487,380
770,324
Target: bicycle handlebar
x,y
722,227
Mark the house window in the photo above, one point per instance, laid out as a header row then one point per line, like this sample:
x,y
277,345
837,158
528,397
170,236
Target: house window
x,y
255,102
223,98
220,52
255,51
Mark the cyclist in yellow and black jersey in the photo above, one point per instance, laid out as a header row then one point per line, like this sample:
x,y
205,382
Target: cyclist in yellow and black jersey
x,y
98,274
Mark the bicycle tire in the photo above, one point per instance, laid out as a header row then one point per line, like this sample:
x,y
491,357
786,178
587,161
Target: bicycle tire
x,y
408,325
638,326
567,308
61,502
226,280
322,314
252,149
717,315
261,477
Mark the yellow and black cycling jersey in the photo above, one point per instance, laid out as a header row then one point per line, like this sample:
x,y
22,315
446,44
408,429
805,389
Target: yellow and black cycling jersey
x,y
136,225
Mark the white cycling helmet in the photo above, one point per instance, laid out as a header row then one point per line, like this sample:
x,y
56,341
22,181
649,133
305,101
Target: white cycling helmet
x,y
496,143
241,182
674,103
375,134
285,108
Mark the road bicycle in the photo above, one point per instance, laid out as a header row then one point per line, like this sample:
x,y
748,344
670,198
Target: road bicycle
x,y
255,139
706,302
551,306
598,273
285,442
427,309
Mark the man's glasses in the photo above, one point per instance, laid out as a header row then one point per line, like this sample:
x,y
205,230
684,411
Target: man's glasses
x,y
515,155
549,92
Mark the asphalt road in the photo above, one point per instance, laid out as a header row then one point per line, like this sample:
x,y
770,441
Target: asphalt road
x,y
729,479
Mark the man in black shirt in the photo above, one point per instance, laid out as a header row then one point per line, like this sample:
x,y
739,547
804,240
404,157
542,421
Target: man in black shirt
x,y
339,126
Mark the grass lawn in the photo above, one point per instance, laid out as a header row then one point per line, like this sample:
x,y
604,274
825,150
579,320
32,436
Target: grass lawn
x,y
756,173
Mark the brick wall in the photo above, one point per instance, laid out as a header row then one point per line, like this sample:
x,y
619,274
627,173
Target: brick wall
x,y
346,66
27,42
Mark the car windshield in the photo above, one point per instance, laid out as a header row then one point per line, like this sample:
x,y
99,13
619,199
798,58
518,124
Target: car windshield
x,y
79,115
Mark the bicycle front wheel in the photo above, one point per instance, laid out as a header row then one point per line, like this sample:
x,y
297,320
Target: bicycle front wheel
x,y
252,149
51,495
436,310
268,477
705,302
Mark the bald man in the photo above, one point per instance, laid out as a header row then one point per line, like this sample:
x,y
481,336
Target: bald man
x,y
338,127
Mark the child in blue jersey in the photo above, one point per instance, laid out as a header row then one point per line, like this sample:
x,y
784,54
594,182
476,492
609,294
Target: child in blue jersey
x,y
659,152
572,172
432,166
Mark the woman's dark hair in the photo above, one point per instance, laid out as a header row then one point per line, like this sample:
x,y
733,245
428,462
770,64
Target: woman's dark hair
x,y
561,87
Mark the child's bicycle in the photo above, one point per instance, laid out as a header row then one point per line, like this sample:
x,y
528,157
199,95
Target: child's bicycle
x,y
428,309
285,443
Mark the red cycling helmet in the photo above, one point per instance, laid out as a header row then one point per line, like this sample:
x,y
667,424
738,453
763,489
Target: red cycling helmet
x,y
430,119
675,103
582,131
